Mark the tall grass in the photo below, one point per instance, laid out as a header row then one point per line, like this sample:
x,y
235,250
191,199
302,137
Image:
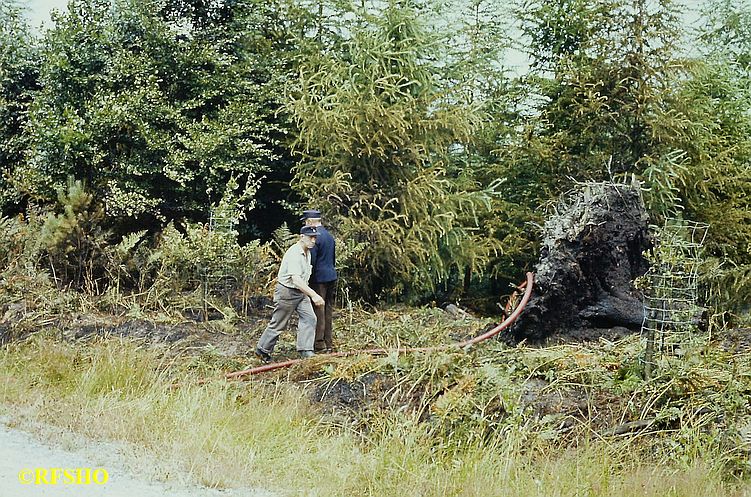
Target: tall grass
x,y
266,433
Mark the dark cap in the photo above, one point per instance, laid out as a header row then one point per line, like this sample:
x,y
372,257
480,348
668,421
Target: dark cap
x,y
309,230
310,214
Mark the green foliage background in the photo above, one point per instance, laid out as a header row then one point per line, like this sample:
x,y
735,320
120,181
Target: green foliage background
x,y
430,157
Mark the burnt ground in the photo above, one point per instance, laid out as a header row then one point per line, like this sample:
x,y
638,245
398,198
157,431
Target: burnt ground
x,y
591,255
193,336
735,340
568,412
562,410
185,336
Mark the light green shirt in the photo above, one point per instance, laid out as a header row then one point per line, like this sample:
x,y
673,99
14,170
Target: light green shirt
x,y
295,261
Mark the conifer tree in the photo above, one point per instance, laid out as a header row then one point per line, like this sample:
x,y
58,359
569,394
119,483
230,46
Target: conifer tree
x,y
378,132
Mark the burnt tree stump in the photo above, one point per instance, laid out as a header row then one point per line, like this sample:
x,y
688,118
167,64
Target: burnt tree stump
x,y
591,253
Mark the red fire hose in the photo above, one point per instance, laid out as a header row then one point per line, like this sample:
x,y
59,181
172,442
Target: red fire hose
x,y
526,286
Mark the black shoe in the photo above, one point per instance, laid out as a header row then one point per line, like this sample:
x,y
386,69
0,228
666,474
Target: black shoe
x,y
265,357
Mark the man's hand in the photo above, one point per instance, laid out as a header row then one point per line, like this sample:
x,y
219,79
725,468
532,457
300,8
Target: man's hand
x,y
317,300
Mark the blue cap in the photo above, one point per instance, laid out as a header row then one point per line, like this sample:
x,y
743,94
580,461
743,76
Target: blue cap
x,y
310,214
309,230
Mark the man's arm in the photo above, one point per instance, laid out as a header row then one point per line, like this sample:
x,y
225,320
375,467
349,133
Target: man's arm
x,y
304,288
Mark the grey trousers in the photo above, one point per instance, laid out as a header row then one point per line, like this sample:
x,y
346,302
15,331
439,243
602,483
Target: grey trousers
x,y
288,301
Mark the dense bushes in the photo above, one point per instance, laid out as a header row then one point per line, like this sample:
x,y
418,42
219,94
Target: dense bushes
x,y
430,161
70,248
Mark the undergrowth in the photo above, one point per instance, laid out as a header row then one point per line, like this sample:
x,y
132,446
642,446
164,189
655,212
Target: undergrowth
x,y
491,420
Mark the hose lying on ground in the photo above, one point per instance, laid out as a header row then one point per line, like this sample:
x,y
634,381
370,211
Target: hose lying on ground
x,y
526,286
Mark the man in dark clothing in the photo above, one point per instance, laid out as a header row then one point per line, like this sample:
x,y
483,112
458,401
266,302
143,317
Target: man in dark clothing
x,y
323,279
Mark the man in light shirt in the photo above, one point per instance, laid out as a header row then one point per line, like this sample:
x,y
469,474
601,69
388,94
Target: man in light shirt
x,y
292,294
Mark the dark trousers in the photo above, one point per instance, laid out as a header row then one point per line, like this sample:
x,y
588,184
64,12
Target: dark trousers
x,y
324,314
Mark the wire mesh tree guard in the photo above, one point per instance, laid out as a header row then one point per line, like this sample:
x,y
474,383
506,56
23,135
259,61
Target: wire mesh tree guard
x,y
214,270
671,300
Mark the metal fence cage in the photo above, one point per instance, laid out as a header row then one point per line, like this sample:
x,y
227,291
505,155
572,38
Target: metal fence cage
x,y
671,304
217,277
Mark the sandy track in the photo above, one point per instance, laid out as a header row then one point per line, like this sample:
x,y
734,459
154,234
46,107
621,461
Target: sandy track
x,y
20,451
